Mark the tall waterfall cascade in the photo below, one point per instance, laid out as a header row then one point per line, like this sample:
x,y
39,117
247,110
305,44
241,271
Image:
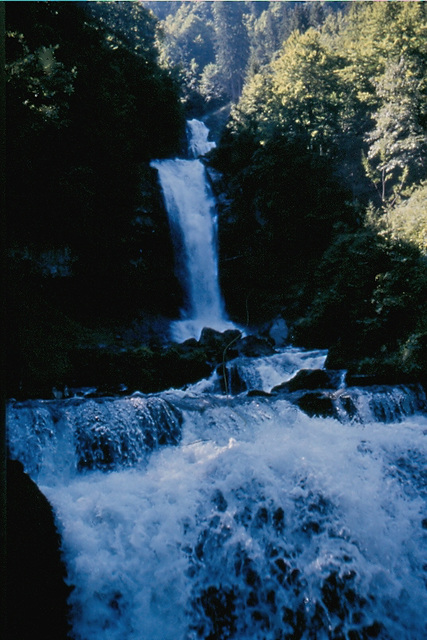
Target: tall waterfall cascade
x,y
192,217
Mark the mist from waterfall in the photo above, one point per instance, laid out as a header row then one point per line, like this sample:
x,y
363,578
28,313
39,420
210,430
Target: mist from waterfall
x,y
193,221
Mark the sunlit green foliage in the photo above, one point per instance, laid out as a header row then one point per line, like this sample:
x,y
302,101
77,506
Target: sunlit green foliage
x,y
186,40
406,222
216,44
306,91
376,32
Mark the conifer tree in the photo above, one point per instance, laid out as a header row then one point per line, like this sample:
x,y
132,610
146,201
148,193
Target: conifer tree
x,y
231,46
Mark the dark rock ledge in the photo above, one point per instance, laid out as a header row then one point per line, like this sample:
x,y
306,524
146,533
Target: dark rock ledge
x,y
36,589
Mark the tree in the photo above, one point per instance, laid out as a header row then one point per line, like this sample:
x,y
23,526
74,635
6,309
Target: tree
x,y
187,39
130,23
398,142
86,109
231,46
375,32
405,222
306,90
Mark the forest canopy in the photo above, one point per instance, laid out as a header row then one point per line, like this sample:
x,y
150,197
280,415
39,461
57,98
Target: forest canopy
x,y
324,159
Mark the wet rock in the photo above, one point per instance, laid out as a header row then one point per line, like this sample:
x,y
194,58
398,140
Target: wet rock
x,y
254,347
379,379
36,590
278,332
230,379
219,501
317,404
106,440
348,405
311,379
254,393
215,343
219,607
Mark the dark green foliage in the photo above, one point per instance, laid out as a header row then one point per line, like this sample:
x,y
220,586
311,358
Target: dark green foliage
x,y
88,240
370,306
73,174
284,203
77,129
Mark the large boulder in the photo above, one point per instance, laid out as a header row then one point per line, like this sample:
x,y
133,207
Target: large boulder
x,y
36,590
253,347
216,343
317,403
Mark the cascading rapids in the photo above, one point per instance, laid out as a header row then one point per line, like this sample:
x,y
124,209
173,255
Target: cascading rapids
x,y
191,515
191,210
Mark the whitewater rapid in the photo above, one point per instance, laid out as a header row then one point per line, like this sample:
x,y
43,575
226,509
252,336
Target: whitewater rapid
x,y
235,517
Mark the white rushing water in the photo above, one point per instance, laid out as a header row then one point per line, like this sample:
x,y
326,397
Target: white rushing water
x,y
192,216
191,515
198,135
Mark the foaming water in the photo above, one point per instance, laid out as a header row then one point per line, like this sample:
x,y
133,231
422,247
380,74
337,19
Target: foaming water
x,y
198,144
254,522
264,373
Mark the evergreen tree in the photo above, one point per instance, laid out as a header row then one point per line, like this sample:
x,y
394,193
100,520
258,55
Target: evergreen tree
x,y
231,46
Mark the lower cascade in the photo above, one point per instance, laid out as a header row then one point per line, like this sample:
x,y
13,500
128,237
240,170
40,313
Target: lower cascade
x,y
191,209
196,514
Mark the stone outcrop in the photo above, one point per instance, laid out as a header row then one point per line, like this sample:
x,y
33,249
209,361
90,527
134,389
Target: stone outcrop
x,y
36,590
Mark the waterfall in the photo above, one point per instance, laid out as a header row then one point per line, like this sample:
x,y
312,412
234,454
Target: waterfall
x,y
192,217
191,515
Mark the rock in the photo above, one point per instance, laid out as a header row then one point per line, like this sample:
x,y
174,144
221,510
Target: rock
x,y
348,405
230,379
253,347
36,590
311,379
258,393
189,345
317,404
215,342
378,379
180,365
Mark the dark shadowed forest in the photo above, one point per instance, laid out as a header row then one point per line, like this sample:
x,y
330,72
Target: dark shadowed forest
x,y
319,111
